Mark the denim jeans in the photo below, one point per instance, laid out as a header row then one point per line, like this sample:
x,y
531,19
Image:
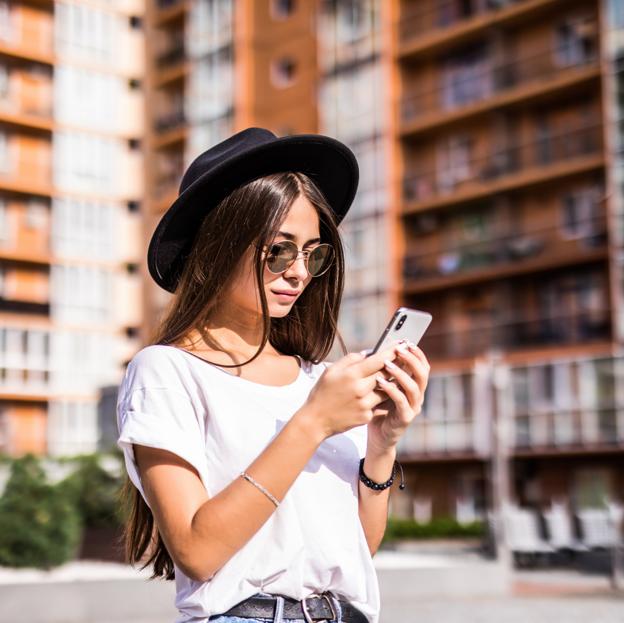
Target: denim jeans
x,y
226,618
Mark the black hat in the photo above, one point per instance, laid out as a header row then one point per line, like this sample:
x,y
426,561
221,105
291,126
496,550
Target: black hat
x,y
243,157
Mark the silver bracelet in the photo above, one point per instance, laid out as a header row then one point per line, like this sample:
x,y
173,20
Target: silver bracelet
x,y
246,476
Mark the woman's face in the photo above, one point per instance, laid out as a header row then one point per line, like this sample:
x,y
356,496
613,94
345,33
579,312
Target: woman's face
x,y
300,225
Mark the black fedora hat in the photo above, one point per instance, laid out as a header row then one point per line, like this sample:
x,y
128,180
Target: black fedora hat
x,y
242,158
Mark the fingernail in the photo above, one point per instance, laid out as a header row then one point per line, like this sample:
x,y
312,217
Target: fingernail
x,y
389,364
381,380
402,347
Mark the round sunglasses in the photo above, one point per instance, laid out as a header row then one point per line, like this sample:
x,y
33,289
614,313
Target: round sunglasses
x,y
281,256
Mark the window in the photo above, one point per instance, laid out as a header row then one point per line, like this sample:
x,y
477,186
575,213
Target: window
x,y
4,82
454,162
592,487
283,72
616,13
467,78
580,213
281,9
5,234
36,215
5,160
575,41
6,30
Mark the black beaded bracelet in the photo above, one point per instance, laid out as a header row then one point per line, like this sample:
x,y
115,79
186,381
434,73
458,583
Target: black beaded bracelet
x,y
380,486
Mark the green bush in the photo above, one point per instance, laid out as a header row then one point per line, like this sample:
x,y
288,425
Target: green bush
x,y
39,525
95,492
437,528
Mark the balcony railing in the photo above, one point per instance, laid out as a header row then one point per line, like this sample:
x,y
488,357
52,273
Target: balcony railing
x,y
560,428
428,437
443,15
478,173
505,251
485,83
169,121
173,55
580,407
518,334
166,4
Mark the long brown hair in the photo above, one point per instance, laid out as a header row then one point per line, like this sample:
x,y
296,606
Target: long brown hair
x,y
250,215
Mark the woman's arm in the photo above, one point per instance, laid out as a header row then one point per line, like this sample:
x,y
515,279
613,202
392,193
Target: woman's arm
x,y
373,505
201,533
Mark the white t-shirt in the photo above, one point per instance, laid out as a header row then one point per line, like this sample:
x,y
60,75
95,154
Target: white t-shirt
x,y
220,423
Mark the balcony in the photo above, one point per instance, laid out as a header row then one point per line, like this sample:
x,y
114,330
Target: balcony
x,y
503,256
28,33
171,120
488,87
28,100
436,438
169,11
27,168
569,405
516,333
549,157
432,28
173,55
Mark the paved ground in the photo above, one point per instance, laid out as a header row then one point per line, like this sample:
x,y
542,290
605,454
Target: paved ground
x,y
594,608
413,591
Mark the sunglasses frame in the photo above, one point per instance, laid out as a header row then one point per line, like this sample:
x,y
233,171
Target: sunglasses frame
x,y
305,253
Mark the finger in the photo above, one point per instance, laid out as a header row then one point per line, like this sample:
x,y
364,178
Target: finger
x,y
409,385
348,360
404,409
419,370
372,364
417,352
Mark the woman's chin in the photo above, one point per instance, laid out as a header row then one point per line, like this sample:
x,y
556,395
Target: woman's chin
x,y
278,310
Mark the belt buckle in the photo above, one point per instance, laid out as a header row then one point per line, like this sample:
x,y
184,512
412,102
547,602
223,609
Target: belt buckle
x,y
306,613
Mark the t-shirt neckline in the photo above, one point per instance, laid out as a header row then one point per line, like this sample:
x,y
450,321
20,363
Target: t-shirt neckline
x,y
240,378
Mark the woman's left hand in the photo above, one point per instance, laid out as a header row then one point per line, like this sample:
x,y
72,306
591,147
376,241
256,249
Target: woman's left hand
x,y
405,398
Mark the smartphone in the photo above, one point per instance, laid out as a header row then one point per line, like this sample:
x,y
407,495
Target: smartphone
x,y
406,323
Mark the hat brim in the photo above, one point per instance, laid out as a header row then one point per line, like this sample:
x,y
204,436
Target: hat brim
x,y
329,163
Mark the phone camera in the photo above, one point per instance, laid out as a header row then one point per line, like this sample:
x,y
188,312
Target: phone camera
x,y
400,323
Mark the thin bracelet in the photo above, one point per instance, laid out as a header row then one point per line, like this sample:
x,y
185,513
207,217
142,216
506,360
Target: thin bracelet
x,y
246,476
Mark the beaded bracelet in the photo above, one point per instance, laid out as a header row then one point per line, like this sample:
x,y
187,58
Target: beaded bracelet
x,y
380,486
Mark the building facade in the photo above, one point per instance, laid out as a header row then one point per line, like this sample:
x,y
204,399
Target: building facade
x,y
506,136
71,126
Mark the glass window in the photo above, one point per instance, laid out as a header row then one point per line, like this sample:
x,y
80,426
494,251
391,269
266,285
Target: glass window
x,y
616,13
5,234
36,215
283,72
580,213
575,41
281,9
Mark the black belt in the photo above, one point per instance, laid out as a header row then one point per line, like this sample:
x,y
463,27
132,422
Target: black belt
x,y
312,608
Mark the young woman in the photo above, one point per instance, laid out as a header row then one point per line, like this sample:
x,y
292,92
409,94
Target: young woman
x,y
259,473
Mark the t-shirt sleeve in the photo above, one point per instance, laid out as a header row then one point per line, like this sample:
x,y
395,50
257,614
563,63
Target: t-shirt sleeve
x,y
155,408
359,435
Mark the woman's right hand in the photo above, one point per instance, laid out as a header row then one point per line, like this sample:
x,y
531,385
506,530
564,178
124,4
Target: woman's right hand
x,y
345,396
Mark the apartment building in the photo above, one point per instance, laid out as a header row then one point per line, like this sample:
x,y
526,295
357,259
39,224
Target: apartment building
x,y
71,183
353,107
507,138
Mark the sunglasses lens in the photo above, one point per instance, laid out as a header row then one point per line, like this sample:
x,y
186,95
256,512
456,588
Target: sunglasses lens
x,y
320,259
281,255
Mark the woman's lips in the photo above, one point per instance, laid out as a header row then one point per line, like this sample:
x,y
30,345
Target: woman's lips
x,y
285,295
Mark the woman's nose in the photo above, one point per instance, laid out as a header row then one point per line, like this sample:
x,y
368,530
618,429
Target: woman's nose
x,y
298,268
